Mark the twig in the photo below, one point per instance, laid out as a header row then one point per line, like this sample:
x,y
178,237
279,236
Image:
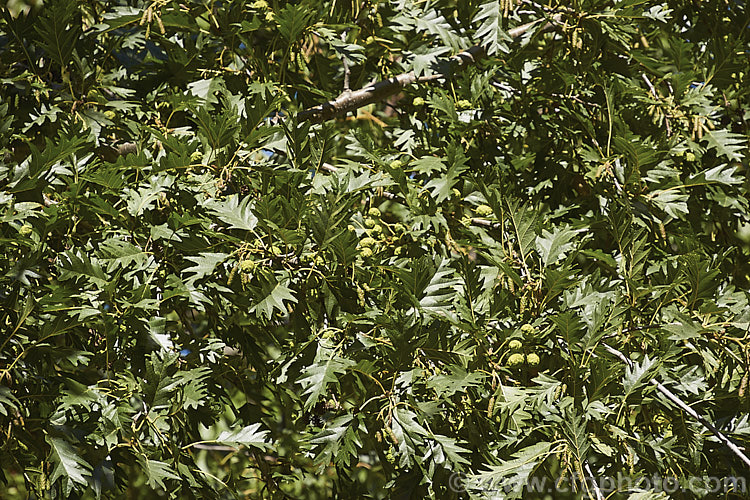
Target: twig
x,y
504,87
347,70
725,440
351,100
576,99
599,495
614,175
547,9
650,85
656,96
215,447
687,409
484,222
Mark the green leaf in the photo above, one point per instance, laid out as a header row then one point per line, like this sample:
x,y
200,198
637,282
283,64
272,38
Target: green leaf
x,y
77,265
432,288
43,166
635,249
639,153
249,436
726,143
658,13
351,52
344,247
292,21
238,214
447,451
116,254
182,258
552,246
648,495
217,130
511,474
139,201
673,202
441,187
637,375
339,441
205,263
156,472
8,402
409,433
442,102
208,90
720,174
433,22
274,300
570,327
574,429
194,388
68,465
428,165
702,278
324,370
58,32
426,58
490,33
457,379
440,291
523,221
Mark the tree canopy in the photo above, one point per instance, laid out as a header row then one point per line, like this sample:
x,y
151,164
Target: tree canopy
x,y
370,249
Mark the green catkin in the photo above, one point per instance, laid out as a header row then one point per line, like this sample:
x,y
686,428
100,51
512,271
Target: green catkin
x,y
630,460
579,469
391,434
232,273
565,468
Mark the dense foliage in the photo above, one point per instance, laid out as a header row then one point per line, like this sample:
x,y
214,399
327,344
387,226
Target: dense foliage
x,y
204,296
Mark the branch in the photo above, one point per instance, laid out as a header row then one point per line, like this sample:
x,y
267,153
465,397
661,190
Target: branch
x,y
657,99
687,409
347,70
350,100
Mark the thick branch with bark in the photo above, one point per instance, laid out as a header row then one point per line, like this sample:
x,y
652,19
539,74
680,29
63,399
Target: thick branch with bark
x,y
351,100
